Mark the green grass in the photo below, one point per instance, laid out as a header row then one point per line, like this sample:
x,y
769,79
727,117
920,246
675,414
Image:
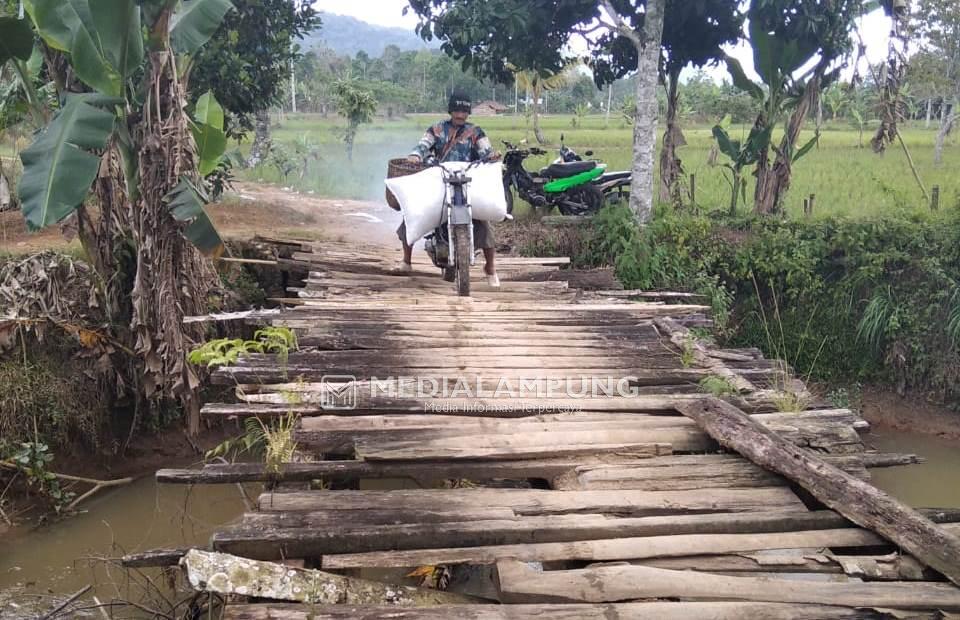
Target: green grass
x,y
848,181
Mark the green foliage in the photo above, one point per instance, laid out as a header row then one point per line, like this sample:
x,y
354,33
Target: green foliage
x,y
356,105
246,62
59,166
841,301
104,43
226,351
717,386
273,442
33,459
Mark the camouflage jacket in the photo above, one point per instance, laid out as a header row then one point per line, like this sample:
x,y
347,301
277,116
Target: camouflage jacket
x,y
472,143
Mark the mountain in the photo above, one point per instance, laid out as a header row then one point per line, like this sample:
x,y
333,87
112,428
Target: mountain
x,y
349,35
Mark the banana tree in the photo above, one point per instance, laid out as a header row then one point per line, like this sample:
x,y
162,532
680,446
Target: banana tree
x,y
123,135
740,154
796,45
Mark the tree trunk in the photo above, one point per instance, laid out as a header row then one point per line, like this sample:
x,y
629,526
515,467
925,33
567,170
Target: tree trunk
x,y
261,139
947,119
929,112
773,182
172,278
645,125
671,168
853,498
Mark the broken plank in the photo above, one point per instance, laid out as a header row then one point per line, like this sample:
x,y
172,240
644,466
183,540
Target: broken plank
x,y
520,583
858,501
224,574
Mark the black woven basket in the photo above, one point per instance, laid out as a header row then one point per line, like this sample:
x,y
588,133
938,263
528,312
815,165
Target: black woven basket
x,y
400,167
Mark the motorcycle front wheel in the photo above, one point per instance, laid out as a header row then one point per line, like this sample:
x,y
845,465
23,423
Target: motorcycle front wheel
x,y
462,254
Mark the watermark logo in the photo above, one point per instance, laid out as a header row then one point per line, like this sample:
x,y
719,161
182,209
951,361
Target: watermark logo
x,y
338,392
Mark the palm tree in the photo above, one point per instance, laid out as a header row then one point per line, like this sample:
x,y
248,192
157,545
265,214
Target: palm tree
x,y
536,82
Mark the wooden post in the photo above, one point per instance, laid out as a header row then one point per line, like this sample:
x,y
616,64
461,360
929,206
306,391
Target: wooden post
x,y
855,499
806,207
813,199
693,190
935,198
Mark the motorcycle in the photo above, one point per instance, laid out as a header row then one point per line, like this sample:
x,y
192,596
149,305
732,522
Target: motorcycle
x,y
450,245
567,185
615,186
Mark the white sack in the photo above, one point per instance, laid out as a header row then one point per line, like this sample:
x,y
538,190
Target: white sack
x,y
421,201
487,198
421,196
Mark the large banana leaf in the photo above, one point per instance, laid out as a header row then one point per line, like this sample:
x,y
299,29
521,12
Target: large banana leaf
x,y
16,39
208,133
68,25
58,168
195,22
741,81
118,25
186,205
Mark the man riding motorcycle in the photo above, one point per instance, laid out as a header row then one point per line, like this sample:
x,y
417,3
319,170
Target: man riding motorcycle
x,y
456,140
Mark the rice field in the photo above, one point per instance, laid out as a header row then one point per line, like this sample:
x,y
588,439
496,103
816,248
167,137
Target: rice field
x,y
848,181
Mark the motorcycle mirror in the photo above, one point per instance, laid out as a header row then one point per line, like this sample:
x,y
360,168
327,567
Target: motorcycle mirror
x,y
588,153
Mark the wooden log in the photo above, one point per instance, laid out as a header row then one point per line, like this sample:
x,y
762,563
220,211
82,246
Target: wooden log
x,y
542,502
855,499
570,611
224,574
684,340
520,583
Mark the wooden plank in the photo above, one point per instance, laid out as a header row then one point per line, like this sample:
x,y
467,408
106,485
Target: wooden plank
x,y
520,583
319,533
891,567
506,447
570,611
542,502
612,549
858,501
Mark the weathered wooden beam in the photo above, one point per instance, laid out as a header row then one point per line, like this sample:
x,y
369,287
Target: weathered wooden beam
x,y
520,583
313,534
224,574
891,567
541,502
855,499
610,550
570,611
154,558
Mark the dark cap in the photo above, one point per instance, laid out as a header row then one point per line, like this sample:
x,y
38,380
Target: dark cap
x,y
459,102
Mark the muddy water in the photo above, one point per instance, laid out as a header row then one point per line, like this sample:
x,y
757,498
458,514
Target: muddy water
x,y
143,515
935,483
140,516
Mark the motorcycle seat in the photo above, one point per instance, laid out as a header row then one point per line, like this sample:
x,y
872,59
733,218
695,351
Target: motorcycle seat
x,y
562,171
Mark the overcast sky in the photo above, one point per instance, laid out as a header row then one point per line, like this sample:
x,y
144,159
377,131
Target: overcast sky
x,y
390,13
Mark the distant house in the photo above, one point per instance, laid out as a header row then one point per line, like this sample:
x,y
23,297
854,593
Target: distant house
x,y
489,108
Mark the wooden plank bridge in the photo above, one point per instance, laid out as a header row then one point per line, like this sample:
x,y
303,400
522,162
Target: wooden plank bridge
x,y
533,455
